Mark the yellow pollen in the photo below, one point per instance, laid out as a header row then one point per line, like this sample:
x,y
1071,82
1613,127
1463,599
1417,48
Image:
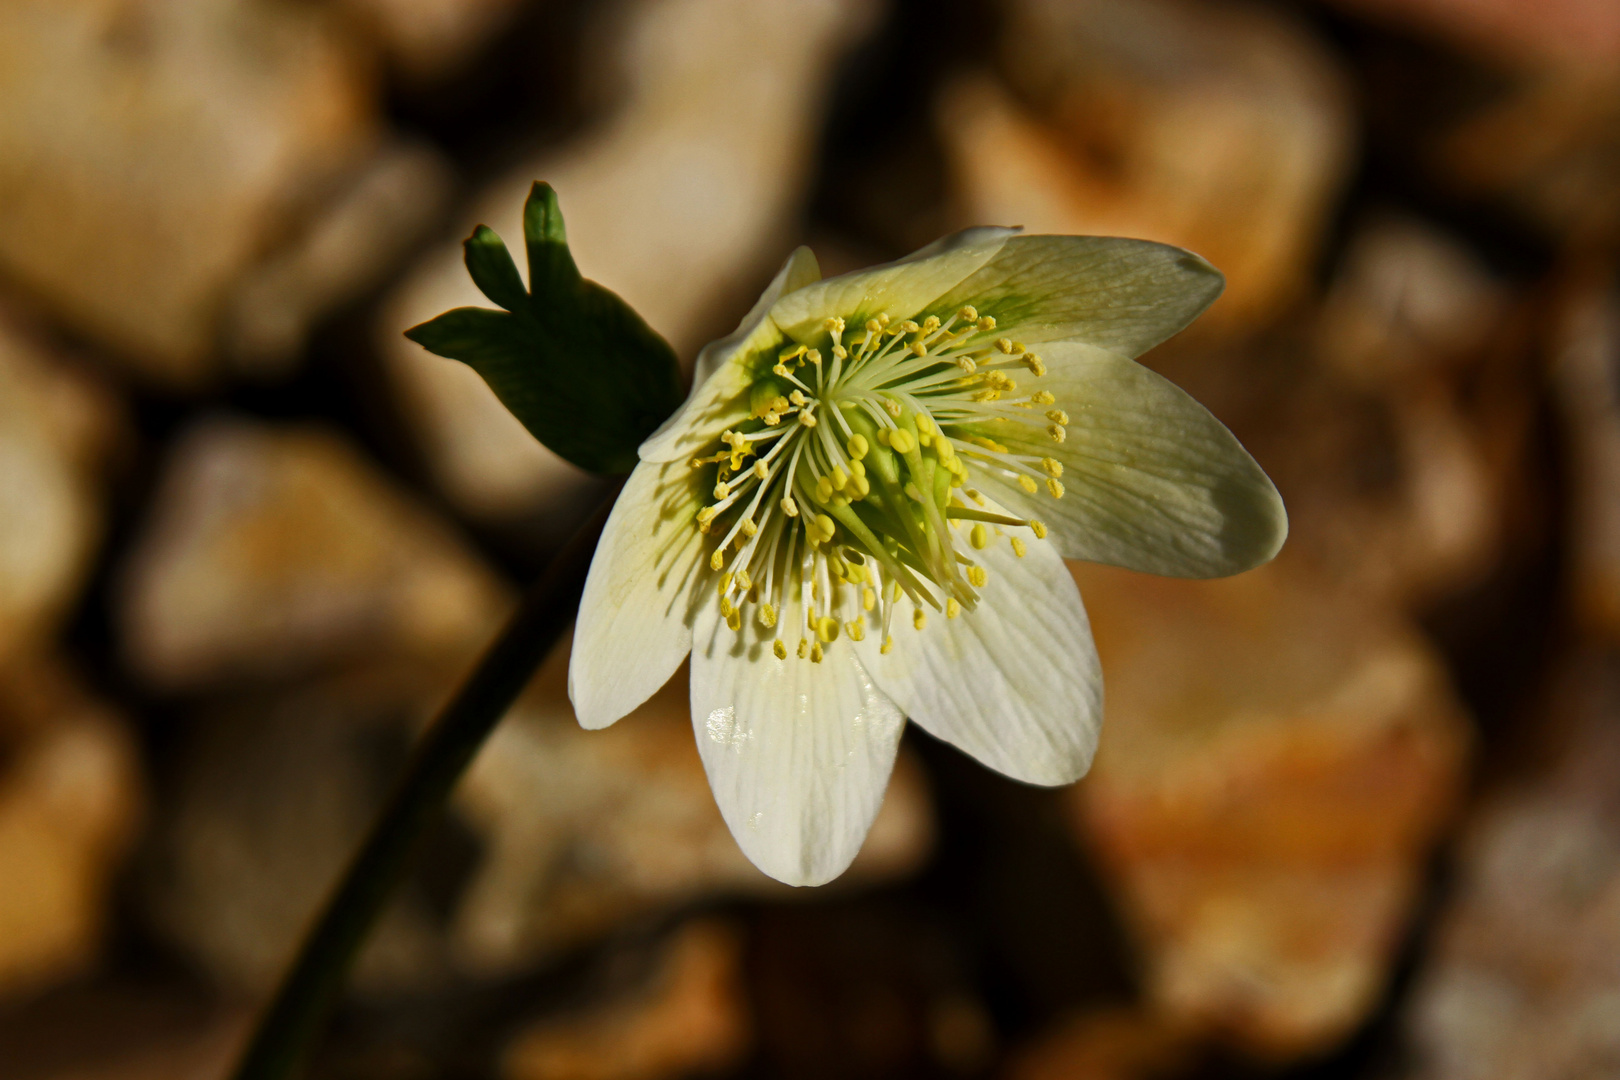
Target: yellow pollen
x,y
952,608
873,326
1042,397
706,515
966,364
868,598
1038,528
767,615
888,644
909,327
1018,546
1034,364
857,447
761,470
779,649
917,348
919,618
789,507
718,559
930,324
977,576
748,527
968,313
974,495
744,582
902,441
1027,483
1056,488
856,630
840,478
825,525
987,322
979,537
815,652
804,648
813,355
1053,466
798,398
834,324
894,595
1057,432
725,583
840,352
1004,345
808,420
722,489
827,629
1058,416
734,620
892,406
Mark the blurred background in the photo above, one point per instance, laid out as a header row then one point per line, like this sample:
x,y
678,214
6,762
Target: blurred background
x,y
1356,815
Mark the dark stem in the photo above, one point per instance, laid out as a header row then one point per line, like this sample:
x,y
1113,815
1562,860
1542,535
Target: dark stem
x,y
311,986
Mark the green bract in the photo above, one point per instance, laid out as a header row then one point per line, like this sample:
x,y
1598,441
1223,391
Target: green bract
x,y
861,513
571,360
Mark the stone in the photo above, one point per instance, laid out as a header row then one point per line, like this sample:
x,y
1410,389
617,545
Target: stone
x,y
1585,378
1110,1044
1533,33
585,829
690,1015
273,551
71,799
268,799
57,427
1221,129
683,202
1277,762
1522,981
151,155
429,39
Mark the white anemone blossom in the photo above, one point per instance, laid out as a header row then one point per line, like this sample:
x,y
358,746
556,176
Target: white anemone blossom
x,y
862,510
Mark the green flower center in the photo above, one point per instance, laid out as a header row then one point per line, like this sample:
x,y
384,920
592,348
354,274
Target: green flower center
x,y
849,485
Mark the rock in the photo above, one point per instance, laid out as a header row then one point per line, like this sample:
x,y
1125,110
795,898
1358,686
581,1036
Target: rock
x,y
269,798
1523,980
1275,766
1221,129
584,829
152,154
427,39
56,427
1117,1044
1585,376
682,202
1521,32
690,1016
71,798
271,552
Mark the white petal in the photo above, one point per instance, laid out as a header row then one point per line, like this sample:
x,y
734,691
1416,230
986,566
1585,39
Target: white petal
x,y
635,623
717,399
1124,295
1153,482
1014,682
899,289
798,753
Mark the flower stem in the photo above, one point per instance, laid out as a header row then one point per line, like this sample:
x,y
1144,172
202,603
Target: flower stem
x,y
311,986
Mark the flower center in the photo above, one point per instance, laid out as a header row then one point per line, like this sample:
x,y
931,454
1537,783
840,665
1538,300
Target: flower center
x,y
849,485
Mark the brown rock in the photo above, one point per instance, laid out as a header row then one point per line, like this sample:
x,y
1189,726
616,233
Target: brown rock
x,y
70,803
681,202
1274,768
56,426
429,38
584,829
1525,32
1524,979
1116,1044
689,1017
1220,129
151,153
275,551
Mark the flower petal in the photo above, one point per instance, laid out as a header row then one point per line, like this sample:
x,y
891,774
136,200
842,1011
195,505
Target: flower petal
x,y
900,289
718,397
635,623
1014,682
798,753
1124,295
1152,481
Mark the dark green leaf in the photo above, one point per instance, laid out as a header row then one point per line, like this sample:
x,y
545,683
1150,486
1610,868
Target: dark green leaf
x,y
571,360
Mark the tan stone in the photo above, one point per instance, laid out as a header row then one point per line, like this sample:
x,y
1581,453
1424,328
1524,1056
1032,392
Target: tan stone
x,y
151,152
429,38
1275,764
691,1016
681,202
1221,129
70,802
584,829
1523,980
270,551
56,426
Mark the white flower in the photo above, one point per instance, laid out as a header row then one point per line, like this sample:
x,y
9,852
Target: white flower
x,y
861,515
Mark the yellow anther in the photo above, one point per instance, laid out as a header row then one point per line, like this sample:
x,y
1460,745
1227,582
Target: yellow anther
x,y
888,644
834,324
761,470
779,649
1057,416
903,441
804,648
892,407
726,607
1057,432
930,324
1052,466
722,490
767,615
856,630
825,526
798,398
873,326
772,417
1004,345
944,450
824,489
791,354
868,598
925,424
1042,397
827,629
789,507
919,618
979,537
780,369
706,515
744,582
1038,528
815,652
734,620
725,583
966,364
856,468
840,352
974,495
861,485
883,436
1027,483
808,419
857,446
1018,546
968,313
1017,347
909,327
894,594
1033,362
717,560
987,322
977,576
952,608
917,348
1055,486
840,478
813,355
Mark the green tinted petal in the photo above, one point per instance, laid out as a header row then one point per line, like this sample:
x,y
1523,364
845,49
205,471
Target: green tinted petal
x,y
1124,295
